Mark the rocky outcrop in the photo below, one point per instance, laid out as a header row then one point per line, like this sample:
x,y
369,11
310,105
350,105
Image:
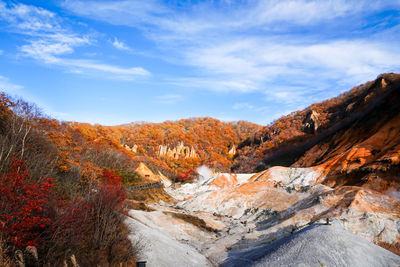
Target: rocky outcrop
x,y
360,112
179,151
365,152
312,122
232,151
144,171
132,149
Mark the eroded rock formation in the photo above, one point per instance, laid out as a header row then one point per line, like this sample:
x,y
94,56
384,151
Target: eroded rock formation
x,y
133,148
179,151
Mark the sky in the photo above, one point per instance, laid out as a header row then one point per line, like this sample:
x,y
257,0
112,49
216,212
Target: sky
x,y
114,62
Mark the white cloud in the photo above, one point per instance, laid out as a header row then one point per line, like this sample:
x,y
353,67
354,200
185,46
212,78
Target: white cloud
x,y
50,46
302,11
28,18
243,106
169,98
48,42
261,64
254,46
123,73
242,47
120,45
263,59
214,83
155,16
7,86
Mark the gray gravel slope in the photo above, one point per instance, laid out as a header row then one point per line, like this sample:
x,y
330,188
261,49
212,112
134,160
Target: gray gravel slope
x,y
317,245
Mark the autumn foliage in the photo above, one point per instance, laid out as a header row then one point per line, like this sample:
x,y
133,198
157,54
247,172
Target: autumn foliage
x,y
22,201
111,179
210,138
80,210
93,224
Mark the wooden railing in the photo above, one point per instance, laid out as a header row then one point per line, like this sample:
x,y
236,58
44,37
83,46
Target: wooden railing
x,y
145,186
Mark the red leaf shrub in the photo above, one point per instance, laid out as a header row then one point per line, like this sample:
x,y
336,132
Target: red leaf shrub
x,y
21,203
110,178
187,175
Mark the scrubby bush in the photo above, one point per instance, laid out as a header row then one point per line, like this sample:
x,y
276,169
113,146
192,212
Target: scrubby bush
x,y
93,225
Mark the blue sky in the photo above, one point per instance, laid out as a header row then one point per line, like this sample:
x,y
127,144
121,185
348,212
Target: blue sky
x,y
114,62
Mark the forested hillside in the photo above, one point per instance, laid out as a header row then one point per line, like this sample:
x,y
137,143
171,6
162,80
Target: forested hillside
x,y
176,148
60,195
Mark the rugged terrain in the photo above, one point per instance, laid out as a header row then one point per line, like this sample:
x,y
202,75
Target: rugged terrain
x,y
227,214
337,160
361,126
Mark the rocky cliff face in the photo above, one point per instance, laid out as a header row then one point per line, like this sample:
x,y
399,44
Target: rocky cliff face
x,y
353,145
311,122
365,152
356,131
179,151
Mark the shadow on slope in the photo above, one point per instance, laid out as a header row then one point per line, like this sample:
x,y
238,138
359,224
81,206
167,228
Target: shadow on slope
x,y
316,245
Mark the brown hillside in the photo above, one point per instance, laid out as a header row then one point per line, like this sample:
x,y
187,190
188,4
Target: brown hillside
x,y
354,137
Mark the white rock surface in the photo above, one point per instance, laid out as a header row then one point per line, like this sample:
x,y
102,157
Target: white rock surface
x,y
294,176
160,250
318,245
251,210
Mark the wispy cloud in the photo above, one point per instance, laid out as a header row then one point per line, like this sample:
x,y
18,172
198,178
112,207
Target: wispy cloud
x,y
48,48
49,52
120,45
291,52
48,42
255,46
169,98
239,106
189,18
214,83
7,86
125,73
29,19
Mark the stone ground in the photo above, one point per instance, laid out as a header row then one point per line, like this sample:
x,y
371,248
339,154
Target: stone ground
x,y
317,245
249,212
